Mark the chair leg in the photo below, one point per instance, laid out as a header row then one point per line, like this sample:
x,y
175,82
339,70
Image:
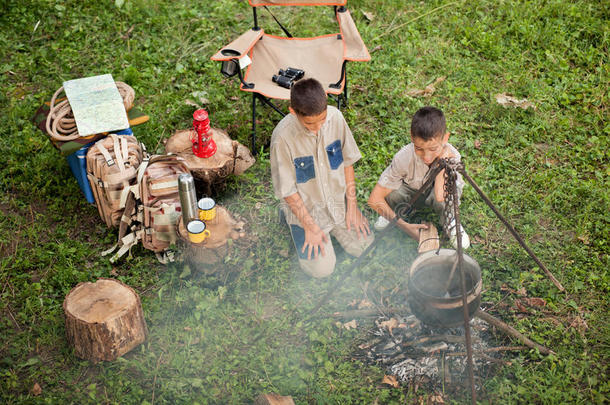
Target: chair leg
x,y
345,91
253,148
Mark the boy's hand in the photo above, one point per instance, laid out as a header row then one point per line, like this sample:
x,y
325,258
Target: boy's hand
x,y
315,239
355,219
412,229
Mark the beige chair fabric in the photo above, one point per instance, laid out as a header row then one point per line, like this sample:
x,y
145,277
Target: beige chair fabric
x,y
320,57
355,50
242,45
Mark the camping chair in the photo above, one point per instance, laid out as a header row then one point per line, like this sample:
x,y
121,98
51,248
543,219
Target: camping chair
x,y
323,58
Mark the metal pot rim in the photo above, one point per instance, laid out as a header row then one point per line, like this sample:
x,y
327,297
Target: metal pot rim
x,y
476,288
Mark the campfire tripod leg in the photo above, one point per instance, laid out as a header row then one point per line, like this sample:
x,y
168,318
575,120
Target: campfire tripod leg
x,y
512,230
460,265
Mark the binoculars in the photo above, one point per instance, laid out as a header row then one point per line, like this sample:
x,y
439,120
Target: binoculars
x,y
286,78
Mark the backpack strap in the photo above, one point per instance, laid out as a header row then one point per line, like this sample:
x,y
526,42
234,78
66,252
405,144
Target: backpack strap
x,y
120,159
105,153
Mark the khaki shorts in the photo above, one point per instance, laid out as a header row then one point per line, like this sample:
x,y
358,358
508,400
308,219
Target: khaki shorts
x,y
323,266
399,200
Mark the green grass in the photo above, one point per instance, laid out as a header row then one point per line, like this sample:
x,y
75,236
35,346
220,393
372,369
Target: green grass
x,y
225,338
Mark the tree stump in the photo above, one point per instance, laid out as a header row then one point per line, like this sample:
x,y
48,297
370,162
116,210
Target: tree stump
x,y
273,399
104,320
231,157
205,255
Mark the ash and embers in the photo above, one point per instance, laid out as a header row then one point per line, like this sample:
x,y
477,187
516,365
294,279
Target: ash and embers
x,y
418,354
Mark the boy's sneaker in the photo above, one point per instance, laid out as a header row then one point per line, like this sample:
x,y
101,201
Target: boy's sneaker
x,y
453,238
381,223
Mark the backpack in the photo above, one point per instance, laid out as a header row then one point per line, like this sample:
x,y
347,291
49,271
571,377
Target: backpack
x,y
112,167
153,208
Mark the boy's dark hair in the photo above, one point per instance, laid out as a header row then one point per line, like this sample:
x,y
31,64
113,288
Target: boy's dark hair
x,y
308,98
428,123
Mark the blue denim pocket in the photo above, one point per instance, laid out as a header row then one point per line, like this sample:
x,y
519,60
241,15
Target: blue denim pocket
x,y
335,154
298,237
304,168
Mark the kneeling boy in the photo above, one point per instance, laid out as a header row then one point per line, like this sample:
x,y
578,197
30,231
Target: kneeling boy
x,y
312,153
409,170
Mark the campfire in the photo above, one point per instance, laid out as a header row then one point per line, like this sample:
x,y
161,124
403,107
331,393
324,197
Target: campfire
x,y
420,355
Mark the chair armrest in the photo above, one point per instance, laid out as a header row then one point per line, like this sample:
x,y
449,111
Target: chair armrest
x,y
240,46
354,48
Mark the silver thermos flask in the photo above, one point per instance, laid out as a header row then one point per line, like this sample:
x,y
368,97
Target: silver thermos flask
x,y
188,197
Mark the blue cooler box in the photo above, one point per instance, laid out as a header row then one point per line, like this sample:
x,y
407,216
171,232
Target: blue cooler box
x,y
78,164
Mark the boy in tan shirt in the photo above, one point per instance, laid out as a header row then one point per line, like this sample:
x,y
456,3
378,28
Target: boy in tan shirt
x,y
409,171
312,157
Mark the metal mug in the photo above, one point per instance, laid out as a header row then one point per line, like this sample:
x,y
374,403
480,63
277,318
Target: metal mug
x,y
207,209
196,230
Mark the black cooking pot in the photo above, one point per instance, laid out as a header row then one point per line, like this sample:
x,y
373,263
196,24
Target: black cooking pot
x,y
430,299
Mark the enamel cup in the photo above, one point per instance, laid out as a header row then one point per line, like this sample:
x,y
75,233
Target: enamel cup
x,y
196,230
207,209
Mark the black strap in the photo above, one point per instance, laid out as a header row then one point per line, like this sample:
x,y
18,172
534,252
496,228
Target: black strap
x,y
288,34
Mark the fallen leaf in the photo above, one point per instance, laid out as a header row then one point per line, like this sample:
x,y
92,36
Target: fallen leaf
x,y
508,101
128,33
191,103
36,390
579,324
584,239
368,15
435,399
428,90
534,302
365,304
377,48
390,380
113,272
350,325
477,145
187,328
520,306
201,96
235,98
284,253
389,324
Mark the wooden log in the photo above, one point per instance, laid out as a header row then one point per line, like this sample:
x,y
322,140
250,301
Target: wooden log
x,y
273,399
428,238
355,313
104,320
231,157
509,330
203,256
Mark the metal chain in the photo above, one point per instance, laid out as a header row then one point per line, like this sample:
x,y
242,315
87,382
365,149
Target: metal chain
x,y
449,186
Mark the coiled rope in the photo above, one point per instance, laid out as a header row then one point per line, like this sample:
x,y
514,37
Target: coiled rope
x,y
61,125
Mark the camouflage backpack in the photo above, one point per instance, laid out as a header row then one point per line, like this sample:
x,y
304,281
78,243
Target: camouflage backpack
x,y
153,208
112,167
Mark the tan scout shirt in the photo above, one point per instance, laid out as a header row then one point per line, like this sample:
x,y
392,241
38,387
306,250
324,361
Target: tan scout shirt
x,y
313,165
408,168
